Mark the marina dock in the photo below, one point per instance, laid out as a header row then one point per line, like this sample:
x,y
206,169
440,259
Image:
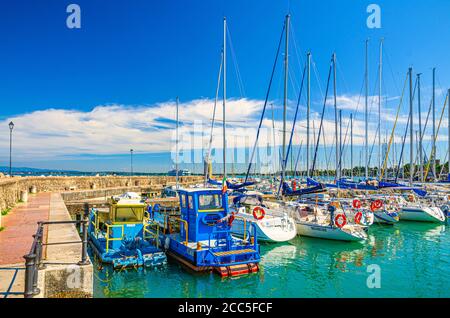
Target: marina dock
x,y
60,274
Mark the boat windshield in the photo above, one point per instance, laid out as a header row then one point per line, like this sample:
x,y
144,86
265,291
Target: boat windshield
x,y
210,201
129,214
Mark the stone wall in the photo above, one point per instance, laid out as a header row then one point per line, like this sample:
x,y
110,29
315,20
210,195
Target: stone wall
x,y
10,188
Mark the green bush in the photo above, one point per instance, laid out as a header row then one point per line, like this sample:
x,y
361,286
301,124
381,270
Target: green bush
x,y
6,211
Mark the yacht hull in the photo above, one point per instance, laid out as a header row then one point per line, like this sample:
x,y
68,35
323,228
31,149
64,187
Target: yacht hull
x,y
328,232
266,233
422,214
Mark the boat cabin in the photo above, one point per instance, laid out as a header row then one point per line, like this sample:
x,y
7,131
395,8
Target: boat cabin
x,y
120,235
205,241
202,209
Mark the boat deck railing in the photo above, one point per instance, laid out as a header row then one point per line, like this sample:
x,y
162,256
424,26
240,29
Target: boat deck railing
x,y
33,260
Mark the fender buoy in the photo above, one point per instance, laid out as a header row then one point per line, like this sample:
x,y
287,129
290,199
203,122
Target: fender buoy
x,y
358,217
375,205
259,213
294,185
340,220
356,204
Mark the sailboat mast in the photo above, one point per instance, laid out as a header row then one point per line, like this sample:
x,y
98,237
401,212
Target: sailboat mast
x,y
286,61
340,142
176,148
275,150
366,114
433,147
420,128
308,109
448,165
351,144
224,93
411,125
379,108
338,176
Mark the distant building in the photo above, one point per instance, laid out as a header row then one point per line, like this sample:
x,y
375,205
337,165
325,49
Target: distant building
x,y
181,172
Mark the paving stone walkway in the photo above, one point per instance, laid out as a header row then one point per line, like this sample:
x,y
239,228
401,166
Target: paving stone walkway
x,y
15,240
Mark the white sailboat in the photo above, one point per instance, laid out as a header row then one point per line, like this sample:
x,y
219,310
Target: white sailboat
x,y
416,210
272,224
313,222
271,228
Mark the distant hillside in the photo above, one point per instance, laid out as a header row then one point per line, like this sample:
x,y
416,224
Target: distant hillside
x,y
35,171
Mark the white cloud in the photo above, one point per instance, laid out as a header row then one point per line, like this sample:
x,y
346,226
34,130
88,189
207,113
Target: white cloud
x,y
114,129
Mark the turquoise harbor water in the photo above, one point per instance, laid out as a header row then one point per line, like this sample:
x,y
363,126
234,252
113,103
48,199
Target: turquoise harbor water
x,y
414,260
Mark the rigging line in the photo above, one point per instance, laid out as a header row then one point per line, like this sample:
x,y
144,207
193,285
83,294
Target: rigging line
x,y
375,86
403,143
329,154
298,157
406,131
321,117
265,102
342,154
236,65
373,144
433,149
296,50
215,105
442,166
393,129
295,117
387,58
274,141
294,83
293,129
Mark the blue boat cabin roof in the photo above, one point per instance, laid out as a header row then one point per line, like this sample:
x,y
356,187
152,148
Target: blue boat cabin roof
x,y
200,191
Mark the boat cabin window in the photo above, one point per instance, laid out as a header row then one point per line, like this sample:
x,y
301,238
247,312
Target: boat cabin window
x,y
209,201
183,201
128,214
191,202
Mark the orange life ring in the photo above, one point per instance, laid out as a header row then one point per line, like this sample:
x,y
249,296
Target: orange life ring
x,y
356,204
358,217
375,205
339,223
259,213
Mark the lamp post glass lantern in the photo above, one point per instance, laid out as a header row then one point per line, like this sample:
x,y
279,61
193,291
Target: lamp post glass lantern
x,y
11,127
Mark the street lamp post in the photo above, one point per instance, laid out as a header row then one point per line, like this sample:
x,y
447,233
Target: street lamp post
x,y
11,127
131,158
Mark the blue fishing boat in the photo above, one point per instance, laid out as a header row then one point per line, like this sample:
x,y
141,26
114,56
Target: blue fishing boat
x,y
204,241
120,235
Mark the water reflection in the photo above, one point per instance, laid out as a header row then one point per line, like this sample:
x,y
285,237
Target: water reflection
x,y
414,259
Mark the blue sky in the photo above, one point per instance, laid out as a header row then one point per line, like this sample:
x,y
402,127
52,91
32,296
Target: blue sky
x,y
145,53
